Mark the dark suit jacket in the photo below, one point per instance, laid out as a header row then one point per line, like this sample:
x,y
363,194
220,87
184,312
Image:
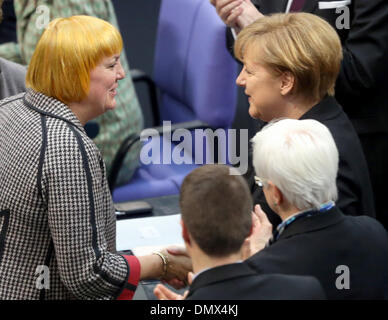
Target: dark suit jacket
x,y
319,244
355,196
362,84
239,282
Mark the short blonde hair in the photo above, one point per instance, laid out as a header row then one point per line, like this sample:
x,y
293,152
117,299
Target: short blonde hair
x,y
301,43
66,53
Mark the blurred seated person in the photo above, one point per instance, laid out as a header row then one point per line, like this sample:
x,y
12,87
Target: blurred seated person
x,y
12,78
291,63
115,125
57,221
8,21
216,208
12,75
296,164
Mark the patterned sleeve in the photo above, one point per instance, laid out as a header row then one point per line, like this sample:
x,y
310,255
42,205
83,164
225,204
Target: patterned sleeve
x,y
80,218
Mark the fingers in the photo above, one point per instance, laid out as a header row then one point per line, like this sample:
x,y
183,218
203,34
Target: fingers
x,y
185,294
190,277
163,293
261,215
178,266
177,250
176,283
255,217
224,9
235,13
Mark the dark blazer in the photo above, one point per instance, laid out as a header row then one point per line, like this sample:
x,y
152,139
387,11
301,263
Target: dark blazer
x,y
319,244
239,282
355,196
361,85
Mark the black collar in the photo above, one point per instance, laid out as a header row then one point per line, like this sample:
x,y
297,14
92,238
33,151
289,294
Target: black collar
x,y
220,274
313,223
328,108
276,6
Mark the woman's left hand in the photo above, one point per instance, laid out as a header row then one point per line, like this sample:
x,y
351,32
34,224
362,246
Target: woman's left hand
x,y
179,265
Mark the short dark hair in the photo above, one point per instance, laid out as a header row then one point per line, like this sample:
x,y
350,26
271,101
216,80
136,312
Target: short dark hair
x,y
216,209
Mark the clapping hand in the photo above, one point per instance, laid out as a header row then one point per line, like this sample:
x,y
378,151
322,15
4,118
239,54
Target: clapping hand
x,y
163,293
261,233
236,14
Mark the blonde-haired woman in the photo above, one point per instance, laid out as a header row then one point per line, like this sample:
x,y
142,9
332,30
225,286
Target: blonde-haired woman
x,y
291,63
56,212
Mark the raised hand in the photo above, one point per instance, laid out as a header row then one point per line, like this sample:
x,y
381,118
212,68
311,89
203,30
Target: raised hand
x,y
228,11
163,293
261,233
236,14
248,15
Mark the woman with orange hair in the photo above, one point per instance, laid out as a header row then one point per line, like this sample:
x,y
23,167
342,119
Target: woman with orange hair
x,y
57,219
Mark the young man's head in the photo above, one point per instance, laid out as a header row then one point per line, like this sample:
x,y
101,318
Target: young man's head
x,y
216,210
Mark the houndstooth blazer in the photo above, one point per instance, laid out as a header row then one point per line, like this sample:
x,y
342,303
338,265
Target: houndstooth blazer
x,y
55,208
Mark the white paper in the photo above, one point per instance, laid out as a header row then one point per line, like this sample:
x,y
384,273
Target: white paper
x,y
145,235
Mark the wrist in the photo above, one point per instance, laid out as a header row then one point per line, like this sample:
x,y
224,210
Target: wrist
x,y
164,265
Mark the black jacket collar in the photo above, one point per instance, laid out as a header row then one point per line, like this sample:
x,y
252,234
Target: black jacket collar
x,y
273,6
220,274
328,108
313,223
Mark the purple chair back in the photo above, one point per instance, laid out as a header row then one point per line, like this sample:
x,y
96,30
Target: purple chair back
x,y
192,66
196,76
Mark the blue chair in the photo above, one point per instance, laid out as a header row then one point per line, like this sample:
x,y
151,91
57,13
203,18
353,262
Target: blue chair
x,y
195,76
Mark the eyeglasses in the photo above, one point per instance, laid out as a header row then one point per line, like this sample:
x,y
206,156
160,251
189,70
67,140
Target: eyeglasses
x,y
259,181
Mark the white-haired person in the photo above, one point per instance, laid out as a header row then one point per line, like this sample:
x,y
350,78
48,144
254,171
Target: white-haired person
x,y
216,208
296,165
290,72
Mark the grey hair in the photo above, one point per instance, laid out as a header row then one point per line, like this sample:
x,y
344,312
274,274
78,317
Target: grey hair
x,y
301,158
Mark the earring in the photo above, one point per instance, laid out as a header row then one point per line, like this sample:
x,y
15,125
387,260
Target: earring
x,y
275,204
